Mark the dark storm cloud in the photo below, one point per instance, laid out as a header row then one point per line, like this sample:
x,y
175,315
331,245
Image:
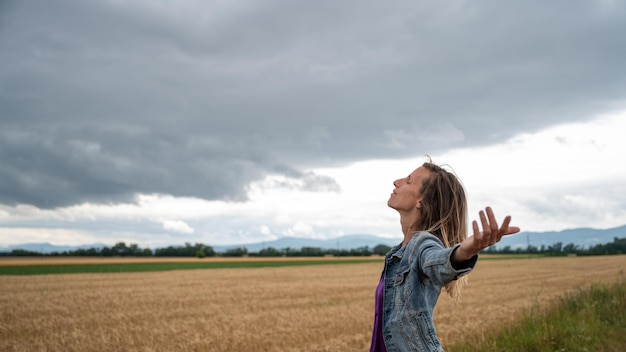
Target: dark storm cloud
x,y
101,100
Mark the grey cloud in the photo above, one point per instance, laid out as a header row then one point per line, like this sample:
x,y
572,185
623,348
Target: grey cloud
x,y
308,181
101,100
319,183
52,168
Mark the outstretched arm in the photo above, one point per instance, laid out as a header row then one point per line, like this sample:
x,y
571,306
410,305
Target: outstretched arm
x,y
490,235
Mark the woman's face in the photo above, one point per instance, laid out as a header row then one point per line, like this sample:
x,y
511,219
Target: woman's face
x,y
406,195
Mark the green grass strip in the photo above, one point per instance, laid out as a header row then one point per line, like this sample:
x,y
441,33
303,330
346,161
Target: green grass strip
x,y
590,319
511,256
147,267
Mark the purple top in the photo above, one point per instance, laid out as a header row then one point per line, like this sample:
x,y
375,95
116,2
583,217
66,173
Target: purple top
x,y
378,343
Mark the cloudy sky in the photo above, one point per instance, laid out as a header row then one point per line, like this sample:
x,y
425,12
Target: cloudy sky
x,y
229,122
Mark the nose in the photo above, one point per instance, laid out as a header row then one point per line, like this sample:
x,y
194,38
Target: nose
x,y
395,183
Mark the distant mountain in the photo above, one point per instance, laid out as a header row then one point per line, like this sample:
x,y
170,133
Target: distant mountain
x,y
583,237
345,242
50,248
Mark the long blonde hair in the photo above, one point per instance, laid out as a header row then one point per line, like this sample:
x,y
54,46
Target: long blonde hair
x,y
444,213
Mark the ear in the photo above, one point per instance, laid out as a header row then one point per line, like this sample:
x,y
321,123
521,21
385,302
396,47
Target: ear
x,y
418,205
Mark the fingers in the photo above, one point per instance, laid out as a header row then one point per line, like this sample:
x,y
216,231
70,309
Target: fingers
x,y
490,227
512,230
493,224
505,223
491,233
485,223
505,227
476,229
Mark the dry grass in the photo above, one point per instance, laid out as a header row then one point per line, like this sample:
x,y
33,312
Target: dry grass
x,y
313,308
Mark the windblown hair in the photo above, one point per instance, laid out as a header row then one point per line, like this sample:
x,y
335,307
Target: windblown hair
x,y
444,213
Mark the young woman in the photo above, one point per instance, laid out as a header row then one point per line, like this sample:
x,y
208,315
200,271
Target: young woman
x,y
435,253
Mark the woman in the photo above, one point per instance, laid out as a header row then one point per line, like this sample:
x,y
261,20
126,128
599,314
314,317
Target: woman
x,y
435,253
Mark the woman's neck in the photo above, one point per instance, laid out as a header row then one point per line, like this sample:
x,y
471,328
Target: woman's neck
x,y
408,222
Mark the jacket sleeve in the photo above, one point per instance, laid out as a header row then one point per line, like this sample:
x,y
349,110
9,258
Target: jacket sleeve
x,y
435,260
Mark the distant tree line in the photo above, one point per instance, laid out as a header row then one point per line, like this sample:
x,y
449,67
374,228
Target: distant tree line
x,y
201,250
120,249
618,246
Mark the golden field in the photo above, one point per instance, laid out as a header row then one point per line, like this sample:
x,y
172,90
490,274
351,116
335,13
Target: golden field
x,y
305,308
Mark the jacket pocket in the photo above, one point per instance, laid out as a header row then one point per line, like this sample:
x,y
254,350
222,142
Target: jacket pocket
x,y
424,329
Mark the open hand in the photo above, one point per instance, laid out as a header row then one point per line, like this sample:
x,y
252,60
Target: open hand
x,y
490,235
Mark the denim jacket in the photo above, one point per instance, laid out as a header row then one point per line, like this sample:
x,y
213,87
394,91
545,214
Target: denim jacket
x,y
414,275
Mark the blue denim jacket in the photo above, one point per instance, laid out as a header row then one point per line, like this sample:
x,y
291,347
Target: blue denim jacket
x,y
414,276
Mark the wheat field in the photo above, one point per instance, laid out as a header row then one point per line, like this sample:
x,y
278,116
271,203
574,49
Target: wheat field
x,y
310,308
